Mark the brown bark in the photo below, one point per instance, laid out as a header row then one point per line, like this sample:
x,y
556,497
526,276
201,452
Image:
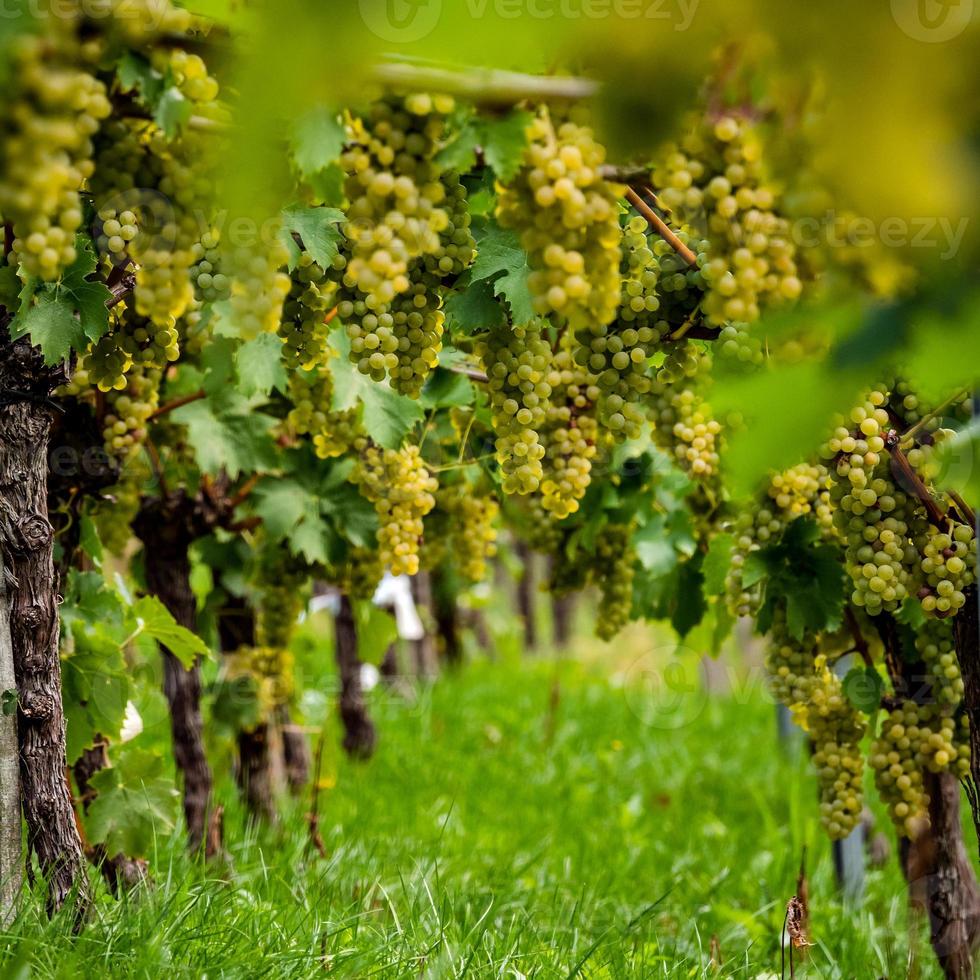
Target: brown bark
x,y
121,873
525,597
940,878
27,535
295,751
967,633
446,615
424,651
236,628
165,526
359,732
563,612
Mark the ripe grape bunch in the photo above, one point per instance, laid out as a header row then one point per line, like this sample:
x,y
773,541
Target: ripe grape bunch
x,y
397,482
567,217
304,328
613,573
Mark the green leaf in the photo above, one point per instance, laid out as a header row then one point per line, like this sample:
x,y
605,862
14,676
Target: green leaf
x,y
690,605
863,687
52,326
447,389
10,287
376,631
317,141
259,365
8,701
81,286
717,562
135,73
501,260
387,416
504,140
474,309
155,621
319,229
227,433
135,803
172,112
282,504
460,153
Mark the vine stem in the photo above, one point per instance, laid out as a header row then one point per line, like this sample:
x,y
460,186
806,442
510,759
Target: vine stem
x,y
661,227
860,643
909,480
474,374
908,437
488,87
176,403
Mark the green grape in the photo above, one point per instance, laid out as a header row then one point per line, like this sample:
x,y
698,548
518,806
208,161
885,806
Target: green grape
x,y
127,412
397,482
615,558
360,573
211,284
465,530
568,220
801,679
51,110
717,171
304,328
518,361
258,287
332,432
937,650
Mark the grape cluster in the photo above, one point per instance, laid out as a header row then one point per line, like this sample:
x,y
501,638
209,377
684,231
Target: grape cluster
x,y
613,572
717,174
568,220
51,111
133,341
127,412
570,436
948,566
271,669
259,287
468,525
407,230
359,573
211,285
801,679
937,651
397,482
873,516
332,432
304,329
518,361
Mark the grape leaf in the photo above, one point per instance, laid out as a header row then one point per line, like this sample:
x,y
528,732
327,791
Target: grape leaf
x,y
135,804
172,111
501,260
52,326
474,309
504,140
259,365
136,74
460,153
282,503
717,562
154,620
446,389
317,140
689,602
227,433
319,229
863,687
376,631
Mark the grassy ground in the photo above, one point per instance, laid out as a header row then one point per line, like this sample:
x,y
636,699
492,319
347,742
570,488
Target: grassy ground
x,y
494,837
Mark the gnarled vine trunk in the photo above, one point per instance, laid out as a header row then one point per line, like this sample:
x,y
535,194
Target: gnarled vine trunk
x,y
164,527
27,542
940,877
446,614
359,733
526,588
295,751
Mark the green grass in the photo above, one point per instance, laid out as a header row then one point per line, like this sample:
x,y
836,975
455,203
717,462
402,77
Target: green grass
x,y
475,845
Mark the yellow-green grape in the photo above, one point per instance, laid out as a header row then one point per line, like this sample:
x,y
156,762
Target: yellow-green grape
x,y
188,72
114,512
961,765
802,490
359,574
397,482
304,329
518,361
718,171
570,436
873,516
279,581
332,432
736,343
397,204
211,284
270,667
403,341
133,340
936,648
613,574
541,528
259,287
568,220
127,412
51,110
801,680
115,229
949,566
470,532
